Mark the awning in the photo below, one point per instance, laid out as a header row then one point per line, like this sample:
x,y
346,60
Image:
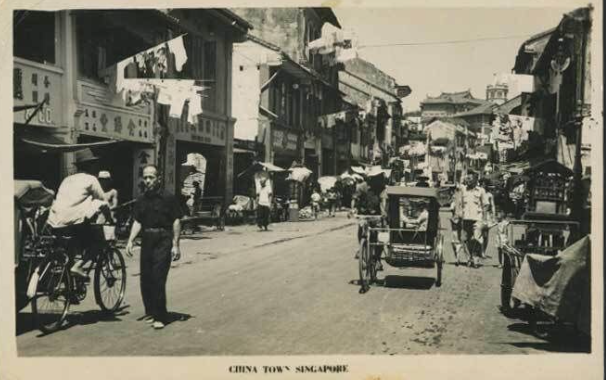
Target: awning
x,y
244,151
47,143
261,166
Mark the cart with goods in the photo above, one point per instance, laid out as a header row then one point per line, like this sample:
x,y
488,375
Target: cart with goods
x,y
544,231
399,240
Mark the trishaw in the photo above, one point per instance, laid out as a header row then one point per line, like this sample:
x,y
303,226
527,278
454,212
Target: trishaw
x,y
31,203
401,243
545,228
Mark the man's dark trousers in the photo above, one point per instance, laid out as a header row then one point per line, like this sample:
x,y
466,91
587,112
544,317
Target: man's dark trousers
x,y
156,247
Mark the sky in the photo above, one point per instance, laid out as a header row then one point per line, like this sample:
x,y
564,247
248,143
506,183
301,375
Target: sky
x,y
431,69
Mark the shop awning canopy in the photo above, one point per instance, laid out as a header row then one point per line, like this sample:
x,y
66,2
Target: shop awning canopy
x,y
45,142
261,166
244,151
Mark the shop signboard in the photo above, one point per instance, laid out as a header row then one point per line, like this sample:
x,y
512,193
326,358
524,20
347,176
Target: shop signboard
x,y
104,114
34,83
207,131
285,141
141,158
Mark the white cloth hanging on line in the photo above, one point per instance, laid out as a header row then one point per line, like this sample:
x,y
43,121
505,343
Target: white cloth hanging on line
x,y
159,55
177,47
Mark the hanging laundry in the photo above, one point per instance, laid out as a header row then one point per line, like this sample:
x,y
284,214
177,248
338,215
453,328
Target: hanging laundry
x,y
195,106
177,47
164,96
176,104
119,75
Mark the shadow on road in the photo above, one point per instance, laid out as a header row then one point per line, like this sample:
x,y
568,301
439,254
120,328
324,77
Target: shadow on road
x,y
195,237
25,321
407,282
401,282
559,339
177,317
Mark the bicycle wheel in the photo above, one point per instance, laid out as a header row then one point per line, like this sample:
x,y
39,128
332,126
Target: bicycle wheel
x,y
51,303
364,265
110,280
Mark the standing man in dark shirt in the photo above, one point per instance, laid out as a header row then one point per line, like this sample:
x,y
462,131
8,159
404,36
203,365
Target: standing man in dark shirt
x,y
158,216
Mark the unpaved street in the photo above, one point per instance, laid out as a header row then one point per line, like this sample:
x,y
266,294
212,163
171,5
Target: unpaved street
x,y
294,290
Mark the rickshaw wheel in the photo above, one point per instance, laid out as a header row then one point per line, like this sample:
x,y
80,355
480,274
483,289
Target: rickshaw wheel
x,y
364,265
506,287
439,261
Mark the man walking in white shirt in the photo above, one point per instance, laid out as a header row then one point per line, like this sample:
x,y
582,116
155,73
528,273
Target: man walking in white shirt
x,y
264,199
473,217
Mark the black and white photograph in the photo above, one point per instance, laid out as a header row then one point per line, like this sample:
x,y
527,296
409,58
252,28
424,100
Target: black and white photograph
x,y
329,180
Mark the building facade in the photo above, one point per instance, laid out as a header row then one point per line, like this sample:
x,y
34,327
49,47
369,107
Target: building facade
x,y
380,130
73,68
448,104
497,93
290,91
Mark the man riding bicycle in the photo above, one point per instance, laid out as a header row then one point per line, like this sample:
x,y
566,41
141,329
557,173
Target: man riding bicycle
x,y
369,200
79,201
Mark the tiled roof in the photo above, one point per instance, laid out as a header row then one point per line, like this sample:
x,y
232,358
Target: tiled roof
x,y
462,97
483,109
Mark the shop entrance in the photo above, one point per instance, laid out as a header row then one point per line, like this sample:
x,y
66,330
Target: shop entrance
x,y
214,181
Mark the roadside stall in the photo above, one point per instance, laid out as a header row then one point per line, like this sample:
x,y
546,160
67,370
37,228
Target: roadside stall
x,y
301,187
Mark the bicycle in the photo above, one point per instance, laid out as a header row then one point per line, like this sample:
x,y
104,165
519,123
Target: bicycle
x,y
368,257
53,289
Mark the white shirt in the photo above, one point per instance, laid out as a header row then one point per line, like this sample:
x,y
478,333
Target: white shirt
x,y
473,203
315,197
79,197
264,195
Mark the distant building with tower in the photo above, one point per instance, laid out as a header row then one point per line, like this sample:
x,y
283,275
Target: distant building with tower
x,y
497,91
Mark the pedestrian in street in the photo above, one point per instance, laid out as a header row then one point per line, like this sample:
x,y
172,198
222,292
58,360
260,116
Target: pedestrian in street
x,y
456,222
264,201
316,198
489,217
331,202
197,196
111,194
502,237
157,215
473,217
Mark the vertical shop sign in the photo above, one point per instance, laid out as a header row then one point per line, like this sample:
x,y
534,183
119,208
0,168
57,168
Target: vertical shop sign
x,y
141,158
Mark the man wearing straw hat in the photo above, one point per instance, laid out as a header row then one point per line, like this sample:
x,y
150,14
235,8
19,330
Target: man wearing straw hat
x,y
79,200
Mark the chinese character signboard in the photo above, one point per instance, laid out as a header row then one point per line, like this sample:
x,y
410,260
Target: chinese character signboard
x,y
206,131
105,114
285,141
34,83
141,158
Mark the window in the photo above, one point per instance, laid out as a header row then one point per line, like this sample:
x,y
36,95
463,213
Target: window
x,y
210,75
101,45
34,36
